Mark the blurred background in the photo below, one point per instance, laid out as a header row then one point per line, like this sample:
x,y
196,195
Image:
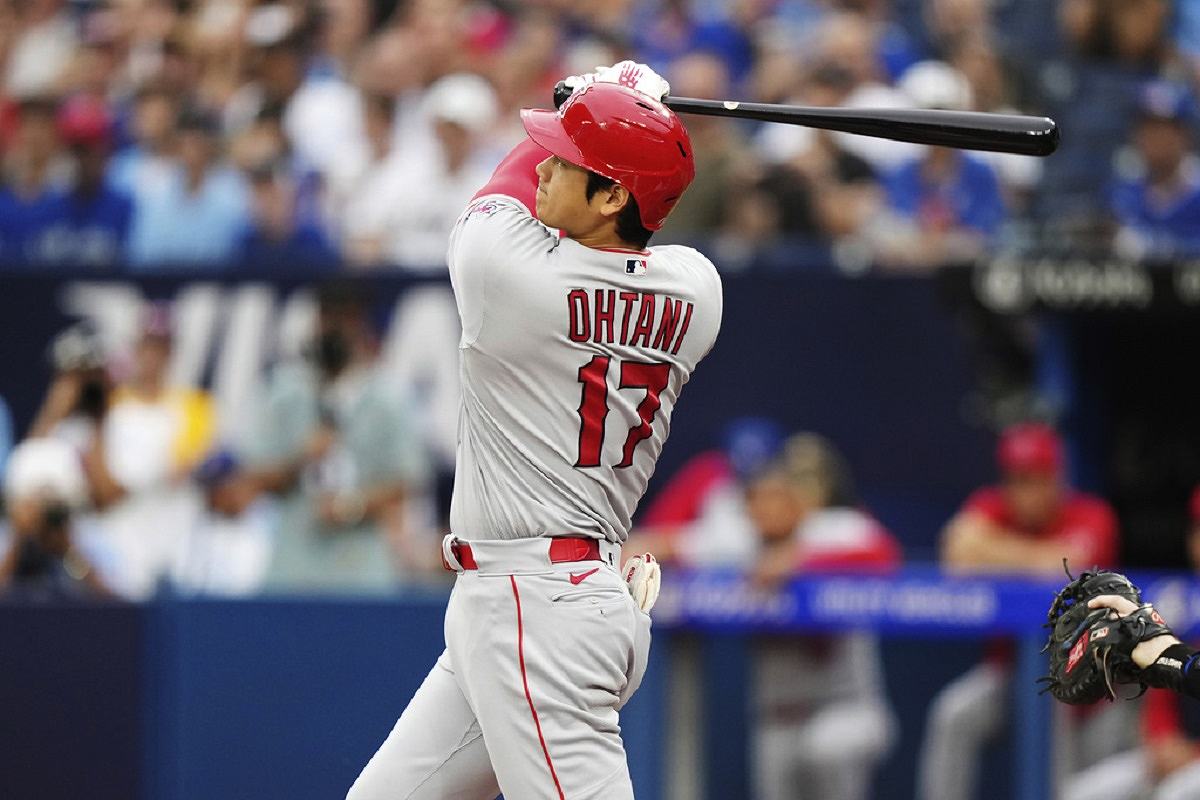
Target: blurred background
x,y
229,387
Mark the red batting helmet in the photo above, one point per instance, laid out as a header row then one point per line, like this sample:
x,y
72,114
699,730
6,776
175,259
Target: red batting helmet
x,y
625,136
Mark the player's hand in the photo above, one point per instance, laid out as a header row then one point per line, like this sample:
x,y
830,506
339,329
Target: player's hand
x,y
644,578
1121,606
1147,652
775,567
626,73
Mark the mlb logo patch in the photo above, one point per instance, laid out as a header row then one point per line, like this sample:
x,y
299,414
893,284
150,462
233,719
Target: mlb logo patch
x,y
635,266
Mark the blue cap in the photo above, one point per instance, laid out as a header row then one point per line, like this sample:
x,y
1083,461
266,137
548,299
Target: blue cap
x,y
751,443
1163,99
214,469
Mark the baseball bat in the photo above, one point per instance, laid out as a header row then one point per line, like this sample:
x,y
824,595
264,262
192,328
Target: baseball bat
x,y
967,130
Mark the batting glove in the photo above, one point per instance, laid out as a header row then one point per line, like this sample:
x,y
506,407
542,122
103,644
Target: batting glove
x,y
625,73
644,578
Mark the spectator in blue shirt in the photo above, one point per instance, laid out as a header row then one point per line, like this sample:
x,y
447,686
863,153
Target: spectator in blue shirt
x,y
1157,204
88,224
281,237
147,159
196,215
948,203
34,174
676,30
948,189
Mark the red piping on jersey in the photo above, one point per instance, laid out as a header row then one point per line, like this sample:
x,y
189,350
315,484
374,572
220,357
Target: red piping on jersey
x,y
516,177
623,250
525,680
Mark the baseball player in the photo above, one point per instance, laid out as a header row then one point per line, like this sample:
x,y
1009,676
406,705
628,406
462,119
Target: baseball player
x,y
576,342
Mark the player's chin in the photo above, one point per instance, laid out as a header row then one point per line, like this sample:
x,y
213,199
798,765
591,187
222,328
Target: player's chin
x,y
542,210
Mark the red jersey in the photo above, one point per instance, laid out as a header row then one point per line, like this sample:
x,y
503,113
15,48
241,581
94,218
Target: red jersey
x,y
1085,521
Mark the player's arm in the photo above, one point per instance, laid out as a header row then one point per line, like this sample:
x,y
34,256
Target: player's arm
x,y
356,506
868,549
516,176
973,542
1165,661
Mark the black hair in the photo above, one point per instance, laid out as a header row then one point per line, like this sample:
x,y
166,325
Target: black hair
x,y
199,119
43,105
629,219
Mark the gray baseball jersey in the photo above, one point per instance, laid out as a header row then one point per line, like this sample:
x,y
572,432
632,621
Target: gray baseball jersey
x,y
572,359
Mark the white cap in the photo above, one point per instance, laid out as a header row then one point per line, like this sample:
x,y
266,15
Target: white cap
x,y
465,99
269,25
936,84
47,467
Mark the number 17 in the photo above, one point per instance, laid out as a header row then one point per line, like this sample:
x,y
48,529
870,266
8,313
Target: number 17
x,y
593,405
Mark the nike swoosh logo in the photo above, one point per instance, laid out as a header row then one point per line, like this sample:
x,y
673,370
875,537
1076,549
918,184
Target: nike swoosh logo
x,y
579,578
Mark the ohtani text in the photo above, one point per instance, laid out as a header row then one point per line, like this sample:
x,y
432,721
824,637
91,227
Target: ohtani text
x,y
632,319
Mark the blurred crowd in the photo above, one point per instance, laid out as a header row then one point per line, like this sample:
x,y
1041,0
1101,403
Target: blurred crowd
x,y
305,135
125,483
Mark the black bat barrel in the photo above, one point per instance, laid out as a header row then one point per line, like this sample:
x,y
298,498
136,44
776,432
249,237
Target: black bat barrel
x,y
967,130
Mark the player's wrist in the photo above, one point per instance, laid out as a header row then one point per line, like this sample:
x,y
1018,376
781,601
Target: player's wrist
x,y
1171,667
1148,652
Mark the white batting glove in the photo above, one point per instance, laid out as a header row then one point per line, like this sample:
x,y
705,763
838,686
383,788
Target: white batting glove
x,y
644,578
626,73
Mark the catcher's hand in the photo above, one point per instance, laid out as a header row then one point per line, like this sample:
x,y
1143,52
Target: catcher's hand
x,y
1147,651
1097,622
626,73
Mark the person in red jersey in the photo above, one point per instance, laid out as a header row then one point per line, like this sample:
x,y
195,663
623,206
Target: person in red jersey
x,y
821,719
1032,520
1026,524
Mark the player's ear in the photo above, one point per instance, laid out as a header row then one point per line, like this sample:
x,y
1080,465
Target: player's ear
x,y
616,197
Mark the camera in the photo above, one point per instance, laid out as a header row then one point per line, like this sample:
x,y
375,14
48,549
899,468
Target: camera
x,y
78,348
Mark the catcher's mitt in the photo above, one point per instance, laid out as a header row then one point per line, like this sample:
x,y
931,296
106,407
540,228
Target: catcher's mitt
x,y
1090,647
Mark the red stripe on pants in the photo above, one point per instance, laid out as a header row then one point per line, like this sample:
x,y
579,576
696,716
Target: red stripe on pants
x,y
525,680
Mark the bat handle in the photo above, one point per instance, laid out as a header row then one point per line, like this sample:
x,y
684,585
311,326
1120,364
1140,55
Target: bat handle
x,y
561,93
